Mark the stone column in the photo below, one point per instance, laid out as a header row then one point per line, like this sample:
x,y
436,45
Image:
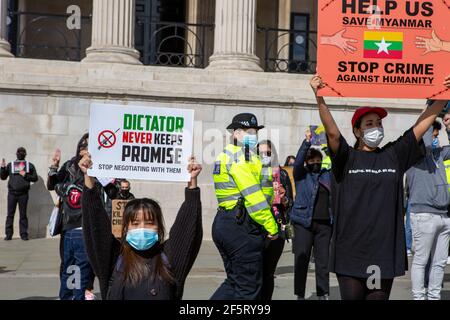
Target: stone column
x,y
5,48
191,47
200,40
284,22
234,36
113,32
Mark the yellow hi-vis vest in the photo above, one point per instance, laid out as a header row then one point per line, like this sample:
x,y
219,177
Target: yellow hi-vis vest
x,y
234,177
447,171
326,163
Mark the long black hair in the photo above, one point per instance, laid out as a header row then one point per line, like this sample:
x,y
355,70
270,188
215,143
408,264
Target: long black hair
x,y
82,144
357,126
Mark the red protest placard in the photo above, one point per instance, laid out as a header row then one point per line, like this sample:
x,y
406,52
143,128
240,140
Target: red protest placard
x,y
384,48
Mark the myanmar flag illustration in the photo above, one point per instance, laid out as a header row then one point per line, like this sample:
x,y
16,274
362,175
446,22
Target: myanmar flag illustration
x,y
383,45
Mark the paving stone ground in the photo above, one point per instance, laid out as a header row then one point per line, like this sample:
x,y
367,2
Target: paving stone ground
x,y
29,270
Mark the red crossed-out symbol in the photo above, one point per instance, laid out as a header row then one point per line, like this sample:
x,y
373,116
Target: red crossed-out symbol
x,y
106,139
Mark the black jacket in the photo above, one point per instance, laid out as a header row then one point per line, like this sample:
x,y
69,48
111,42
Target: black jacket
x,y
18,184
68,183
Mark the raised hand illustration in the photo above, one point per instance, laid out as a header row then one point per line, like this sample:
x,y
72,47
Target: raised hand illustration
x,y
433,44
338,40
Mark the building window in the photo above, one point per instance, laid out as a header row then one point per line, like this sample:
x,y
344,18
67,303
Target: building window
x,y
168,32
39,29
299,41
164,37
290,50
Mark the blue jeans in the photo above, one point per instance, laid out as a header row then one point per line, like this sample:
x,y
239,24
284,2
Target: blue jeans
x,y
77,271
408,231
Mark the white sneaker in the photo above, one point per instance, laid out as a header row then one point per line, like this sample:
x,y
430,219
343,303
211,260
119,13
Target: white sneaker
x,y
448,260
409,253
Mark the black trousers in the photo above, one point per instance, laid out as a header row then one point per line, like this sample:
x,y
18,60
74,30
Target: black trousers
x,y
317,236
241,247
353,288
22,201
271,256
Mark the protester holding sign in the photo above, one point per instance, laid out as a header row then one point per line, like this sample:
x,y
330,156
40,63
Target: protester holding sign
x,y
142,265
21,173
68,184
368,246
312,219
281,207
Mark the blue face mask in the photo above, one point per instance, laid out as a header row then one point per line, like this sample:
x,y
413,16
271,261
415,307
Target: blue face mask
x,y
435,143
142,239
250,140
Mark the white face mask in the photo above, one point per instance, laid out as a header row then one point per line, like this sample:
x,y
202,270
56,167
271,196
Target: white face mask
x,y
373,137
265,160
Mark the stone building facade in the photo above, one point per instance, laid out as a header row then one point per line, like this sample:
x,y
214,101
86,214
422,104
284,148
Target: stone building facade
x,y
238,62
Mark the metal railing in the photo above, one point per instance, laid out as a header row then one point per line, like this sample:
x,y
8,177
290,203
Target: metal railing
x,y
46,36
174,44
289,50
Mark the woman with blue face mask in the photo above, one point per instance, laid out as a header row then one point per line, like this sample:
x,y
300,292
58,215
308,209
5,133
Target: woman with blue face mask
x,y
368,243
142,265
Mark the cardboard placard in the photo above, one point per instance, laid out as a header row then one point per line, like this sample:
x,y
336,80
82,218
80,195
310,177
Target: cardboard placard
x,y
118,207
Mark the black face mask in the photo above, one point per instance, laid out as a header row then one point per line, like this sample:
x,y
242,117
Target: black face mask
x,y
21,155
314,167
124,193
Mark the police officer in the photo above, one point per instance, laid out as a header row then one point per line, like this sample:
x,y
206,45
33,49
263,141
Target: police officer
x,y
244,219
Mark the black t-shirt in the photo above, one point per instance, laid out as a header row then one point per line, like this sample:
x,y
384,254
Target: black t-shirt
x,y
321,211
368,201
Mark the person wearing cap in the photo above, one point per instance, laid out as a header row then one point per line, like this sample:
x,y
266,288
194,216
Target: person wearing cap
x,y
244,219
21,173
428,202
368,244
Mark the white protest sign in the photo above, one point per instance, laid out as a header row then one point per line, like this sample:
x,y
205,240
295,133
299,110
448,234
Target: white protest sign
x,y
136,142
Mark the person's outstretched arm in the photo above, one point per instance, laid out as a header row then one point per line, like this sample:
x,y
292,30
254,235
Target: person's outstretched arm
x,y
428,116
327,119
4,170
299,164
186,234
101,246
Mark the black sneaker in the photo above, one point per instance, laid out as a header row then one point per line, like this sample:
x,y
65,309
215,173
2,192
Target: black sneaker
x,y
8,238
25,238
